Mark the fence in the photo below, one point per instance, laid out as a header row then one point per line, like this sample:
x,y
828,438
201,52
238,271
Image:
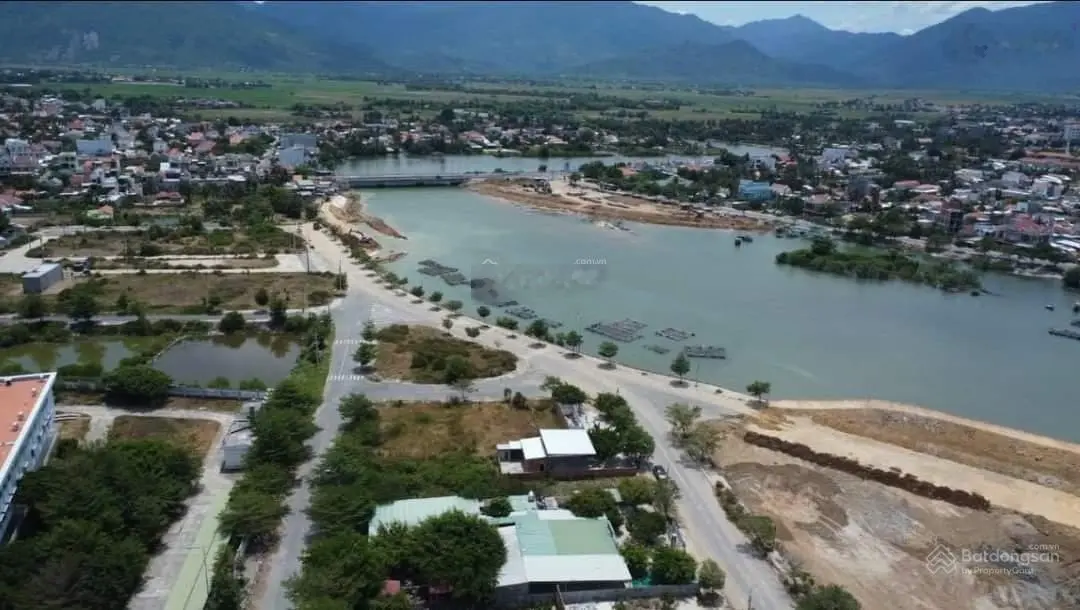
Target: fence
x,y
176,390
562,599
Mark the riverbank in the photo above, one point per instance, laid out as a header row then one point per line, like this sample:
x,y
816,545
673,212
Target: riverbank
x,y
349,209
606,206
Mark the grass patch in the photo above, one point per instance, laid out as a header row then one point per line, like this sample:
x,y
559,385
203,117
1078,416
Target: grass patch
x,y
189,292
197,435
424,430
74,428
419,353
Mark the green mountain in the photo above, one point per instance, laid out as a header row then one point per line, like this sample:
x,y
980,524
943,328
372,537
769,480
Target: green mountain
x,y
735,63
218,35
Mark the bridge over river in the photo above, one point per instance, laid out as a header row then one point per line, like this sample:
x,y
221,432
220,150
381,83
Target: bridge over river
x,y
405,180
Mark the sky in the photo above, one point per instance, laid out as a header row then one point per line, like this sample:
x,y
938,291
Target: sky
x,y
900,17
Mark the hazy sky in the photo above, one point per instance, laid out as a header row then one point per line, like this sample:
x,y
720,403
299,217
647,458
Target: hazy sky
x,y
901,17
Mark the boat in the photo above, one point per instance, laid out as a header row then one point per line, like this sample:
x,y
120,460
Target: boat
x,y
746,238
738,242
1076,307
1049,308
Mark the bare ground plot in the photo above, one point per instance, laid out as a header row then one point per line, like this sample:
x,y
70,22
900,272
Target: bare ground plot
x,y
399,347
874,540
1051,466
142,243
254,262
196,434
185,291
183,403
74,428
10,285
422,430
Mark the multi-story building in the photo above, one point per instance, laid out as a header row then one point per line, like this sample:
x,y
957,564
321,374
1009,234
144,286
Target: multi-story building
x,y
27,432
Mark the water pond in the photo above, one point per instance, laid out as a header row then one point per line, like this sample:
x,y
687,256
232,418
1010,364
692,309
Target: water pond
x,y
41,357
265,357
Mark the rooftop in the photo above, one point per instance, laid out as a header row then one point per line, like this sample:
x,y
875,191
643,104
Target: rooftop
x,y
573,441
20,397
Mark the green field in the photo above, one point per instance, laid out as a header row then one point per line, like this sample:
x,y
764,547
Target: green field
x,y
273,103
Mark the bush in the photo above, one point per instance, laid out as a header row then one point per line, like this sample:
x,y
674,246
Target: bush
x,y
138,385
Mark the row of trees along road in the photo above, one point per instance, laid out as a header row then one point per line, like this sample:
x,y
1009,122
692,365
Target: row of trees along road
x,y
281,428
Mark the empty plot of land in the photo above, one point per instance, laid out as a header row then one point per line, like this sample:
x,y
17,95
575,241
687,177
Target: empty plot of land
x,y
189,292
874,540
254,262
419,353
159,242
74,427
421,430
196,434
1051,464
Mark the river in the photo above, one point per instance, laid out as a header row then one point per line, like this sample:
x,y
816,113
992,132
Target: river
x,y
811,335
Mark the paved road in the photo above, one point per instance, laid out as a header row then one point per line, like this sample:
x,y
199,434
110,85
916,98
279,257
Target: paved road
x,y
709,533
177,571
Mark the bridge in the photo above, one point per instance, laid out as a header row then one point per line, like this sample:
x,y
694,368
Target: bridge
x,y
406,180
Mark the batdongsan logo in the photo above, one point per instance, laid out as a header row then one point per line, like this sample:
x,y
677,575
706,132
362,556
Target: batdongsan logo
x,y
941,561
1020,563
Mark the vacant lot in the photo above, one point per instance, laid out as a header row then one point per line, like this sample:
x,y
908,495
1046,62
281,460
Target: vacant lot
x,y
198,435
874,540
198,264
419,353
74,428
10,285
165,243
191,292
422,430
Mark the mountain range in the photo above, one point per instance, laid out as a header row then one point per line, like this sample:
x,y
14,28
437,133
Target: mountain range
x,y
1031,48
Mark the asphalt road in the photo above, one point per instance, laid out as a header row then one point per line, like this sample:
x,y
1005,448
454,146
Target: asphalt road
x,y
708,532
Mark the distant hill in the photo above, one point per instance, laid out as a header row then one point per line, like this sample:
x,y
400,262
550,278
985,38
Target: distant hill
x,y
801,39
218,35
735,63
520,37
1032,48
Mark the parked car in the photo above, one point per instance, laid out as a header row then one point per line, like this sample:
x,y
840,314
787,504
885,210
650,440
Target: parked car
x,y
660,473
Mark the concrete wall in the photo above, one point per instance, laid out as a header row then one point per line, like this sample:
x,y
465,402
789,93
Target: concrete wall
x,y
516,598
577,475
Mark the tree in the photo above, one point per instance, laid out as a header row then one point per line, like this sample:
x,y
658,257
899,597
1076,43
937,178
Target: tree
x,y
138,385
595,502
712,579
369,333
538,329
574,340
472,333
497,507
32,306
664,498
483,312
671,566
637,491
262,297
682,418
417,291
82,306
646,527
436,296
457,368
606,442
701,443
637,558
636,443
759,389
279,313
608,350
680,366
464,386
461,551
831,597
568,394
232,322
344,566
448,323
507,323
762,533
365,354
454,306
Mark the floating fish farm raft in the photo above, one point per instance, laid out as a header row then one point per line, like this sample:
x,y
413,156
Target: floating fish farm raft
x,y
674,334
483,290
626,330
454,278
705,351
433,268
1068,333
524,313
657,349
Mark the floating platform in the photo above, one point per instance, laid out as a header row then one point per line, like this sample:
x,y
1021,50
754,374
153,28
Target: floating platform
x,y
432,271
674,334
455,278
705,351
1068,333
524,313
427,262
626,330
657,349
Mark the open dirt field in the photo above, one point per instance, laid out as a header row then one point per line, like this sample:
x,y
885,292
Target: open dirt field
x,y
421,430
874,540
603,206
196,434
399,344
187,263
184,291
74,428
114,243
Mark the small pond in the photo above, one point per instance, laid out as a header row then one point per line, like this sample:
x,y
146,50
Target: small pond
x,y
41,357
266,357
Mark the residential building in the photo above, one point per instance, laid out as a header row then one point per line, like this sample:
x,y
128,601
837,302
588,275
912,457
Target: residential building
x,y
547,548
101,147
554,452
27,432
298,140
755,191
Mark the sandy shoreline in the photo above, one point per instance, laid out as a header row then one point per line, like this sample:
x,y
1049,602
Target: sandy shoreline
x,y
586,201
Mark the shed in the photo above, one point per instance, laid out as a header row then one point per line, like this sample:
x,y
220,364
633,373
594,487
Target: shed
x,y
41,278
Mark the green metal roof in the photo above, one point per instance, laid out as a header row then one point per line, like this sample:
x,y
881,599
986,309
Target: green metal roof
x,y
564,536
